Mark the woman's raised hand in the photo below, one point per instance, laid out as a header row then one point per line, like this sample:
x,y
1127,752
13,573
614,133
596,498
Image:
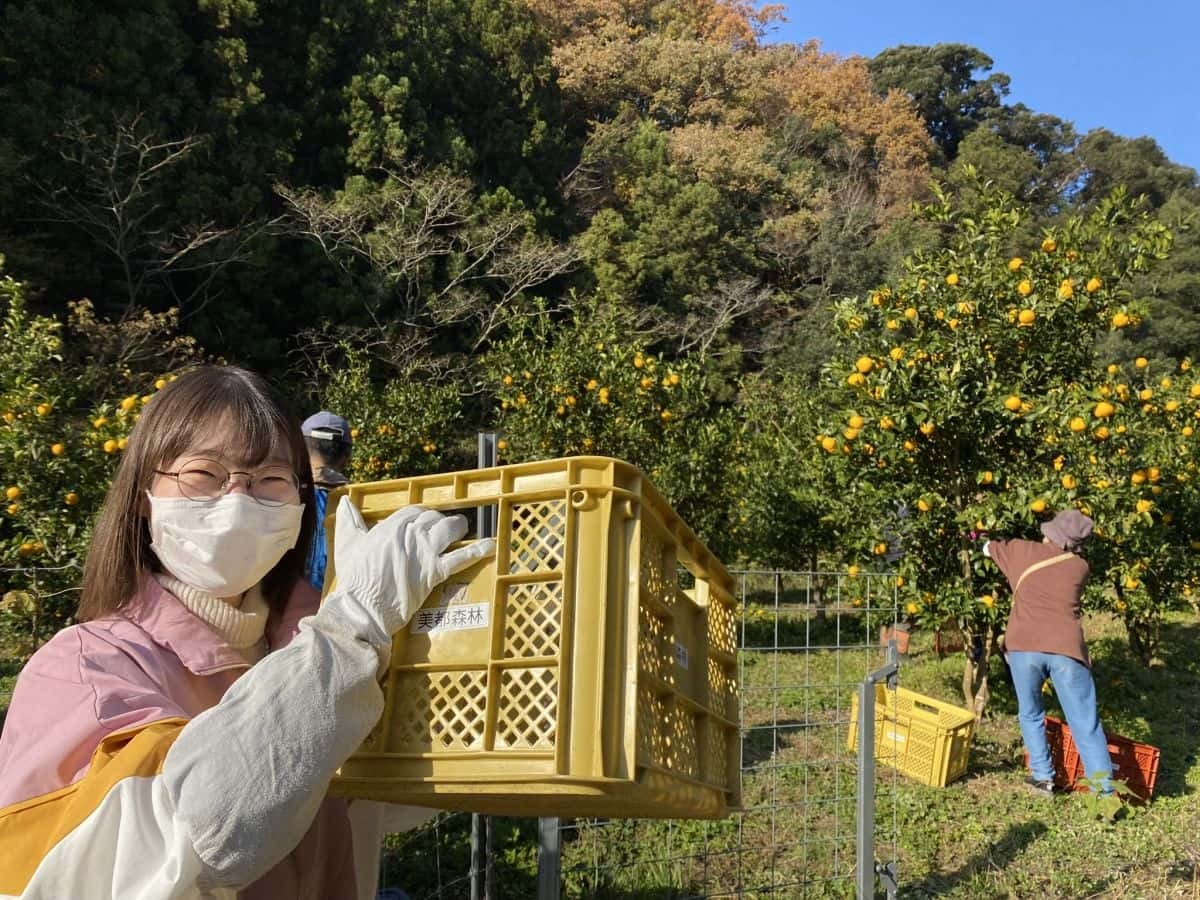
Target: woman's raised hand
x,y
393,566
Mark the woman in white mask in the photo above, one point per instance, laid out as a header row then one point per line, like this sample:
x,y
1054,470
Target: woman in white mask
x,y
179,741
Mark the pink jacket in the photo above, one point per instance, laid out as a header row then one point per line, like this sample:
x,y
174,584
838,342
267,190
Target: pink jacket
x,y
78,710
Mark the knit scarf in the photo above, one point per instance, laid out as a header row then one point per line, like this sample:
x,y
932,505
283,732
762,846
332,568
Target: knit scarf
x,y
243,628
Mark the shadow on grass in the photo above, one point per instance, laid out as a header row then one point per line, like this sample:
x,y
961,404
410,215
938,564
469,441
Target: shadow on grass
x,y
761,745
997,856
651,893
1185,872
433,862
802,629
993,753
1155,705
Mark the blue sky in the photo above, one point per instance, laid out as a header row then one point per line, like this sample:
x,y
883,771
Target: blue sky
x,y
1133,68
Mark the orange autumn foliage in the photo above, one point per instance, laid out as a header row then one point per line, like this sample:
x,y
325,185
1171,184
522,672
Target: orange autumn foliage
x,y
833,92
727,22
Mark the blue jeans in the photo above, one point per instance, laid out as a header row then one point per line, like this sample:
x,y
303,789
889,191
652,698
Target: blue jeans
x,y
1077,694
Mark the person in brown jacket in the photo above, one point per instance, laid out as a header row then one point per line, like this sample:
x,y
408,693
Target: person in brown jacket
x,y
1044,640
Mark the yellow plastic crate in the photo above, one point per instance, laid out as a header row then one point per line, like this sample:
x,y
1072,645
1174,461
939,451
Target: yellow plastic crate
x,y
919,736
575,673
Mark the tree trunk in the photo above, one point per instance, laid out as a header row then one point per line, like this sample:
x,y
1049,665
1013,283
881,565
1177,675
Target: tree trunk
x,y
978,641
1143,636
977,659
1141,630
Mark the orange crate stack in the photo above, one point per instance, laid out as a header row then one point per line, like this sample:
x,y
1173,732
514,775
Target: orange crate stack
x,y
1058,736
588,668
1133,763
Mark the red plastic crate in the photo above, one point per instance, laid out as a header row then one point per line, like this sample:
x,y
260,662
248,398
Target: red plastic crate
x,y
1058,736
1133,763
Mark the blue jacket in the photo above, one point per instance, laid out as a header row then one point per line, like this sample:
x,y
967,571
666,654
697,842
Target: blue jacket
x,y
314,570
325,481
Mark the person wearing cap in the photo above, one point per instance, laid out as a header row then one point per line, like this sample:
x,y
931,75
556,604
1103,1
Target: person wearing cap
x,y
327,436
1044,640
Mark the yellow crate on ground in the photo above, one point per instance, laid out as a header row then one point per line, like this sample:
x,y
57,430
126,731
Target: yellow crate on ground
x,y
924,738
589,668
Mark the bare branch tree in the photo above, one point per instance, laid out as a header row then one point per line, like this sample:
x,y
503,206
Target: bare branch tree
x,y
713,315
512,271
117,198
322,346
136,343
422,232
397,229
590,185
397,351
222,248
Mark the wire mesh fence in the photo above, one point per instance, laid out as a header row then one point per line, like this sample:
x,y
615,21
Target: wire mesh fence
x,y
806,641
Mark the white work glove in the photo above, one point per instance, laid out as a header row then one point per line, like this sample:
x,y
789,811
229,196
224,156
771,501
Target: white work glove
x,y
390,569
244,779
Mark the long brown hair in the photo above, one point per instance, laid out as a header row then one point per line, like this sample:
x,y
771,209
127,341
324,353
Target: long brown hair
x,y
175,421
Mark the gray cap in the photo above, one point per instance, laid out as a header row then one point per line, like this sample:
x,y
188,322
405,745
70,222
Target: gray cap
x,y
1068,529
328,426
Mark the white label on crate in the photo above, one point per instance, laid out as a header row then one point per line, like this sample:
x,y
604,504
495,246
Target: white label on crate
x,y
681,656
461,617
895,736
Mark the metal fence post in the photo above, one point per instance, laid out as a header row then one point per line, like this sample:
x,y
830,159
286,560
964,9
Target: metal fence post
x,y
549,860
481,827
865,814
480,857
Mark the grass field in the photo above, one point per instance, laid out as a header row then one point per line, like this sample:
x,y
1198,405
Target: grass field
x,y
986,837
983,836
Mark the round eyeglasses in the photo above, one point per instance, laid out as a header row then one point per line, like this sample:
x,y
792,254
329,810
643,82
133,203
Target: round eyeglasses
x,y
207,479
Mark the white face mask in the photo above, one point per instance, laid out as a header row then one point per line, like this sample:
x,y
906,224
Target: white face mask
x,y
223,546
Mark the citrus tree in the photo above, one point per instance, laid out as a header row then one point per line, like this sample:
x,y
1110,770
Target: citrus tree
x,y
586,383
44,470
405,422
59,446
55,474
783,504
1127,456
942,418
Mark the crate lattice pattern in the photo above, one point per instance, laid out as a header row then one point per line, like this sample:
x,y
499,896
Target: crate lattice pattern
x,y
721,684
536,543
654,571
722,628
652,738
440,710
458,719
533,619
684,752
716,753
528,710
656,656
